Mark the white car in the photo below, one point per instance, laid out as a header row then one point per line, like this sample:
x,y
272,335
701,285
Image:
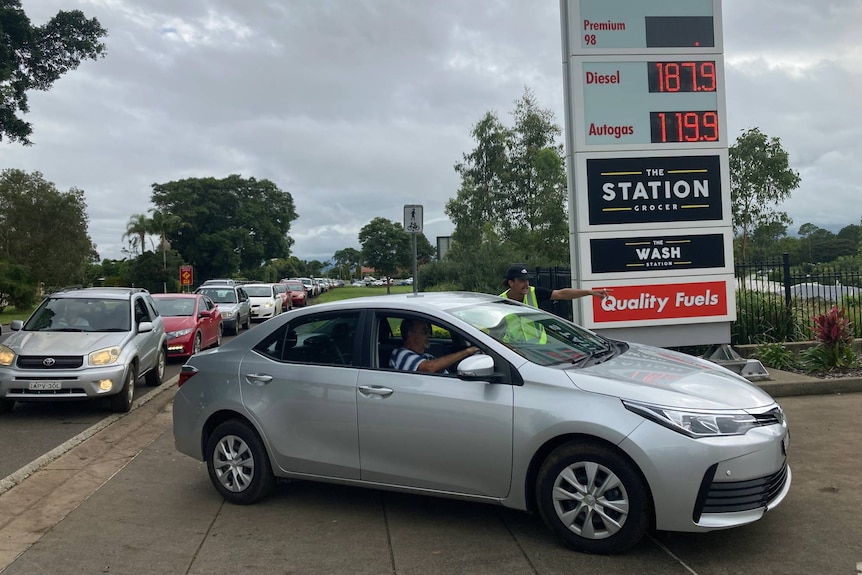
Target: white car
x,y
265,300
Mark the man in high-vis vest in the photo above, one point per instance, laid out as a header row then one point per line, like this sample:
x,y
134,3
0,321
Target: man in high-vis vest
x,y
517,281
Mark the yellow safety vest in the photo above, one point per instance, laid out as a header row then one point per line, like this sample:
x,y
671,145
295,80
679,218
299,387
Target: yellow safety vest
x,y
518,329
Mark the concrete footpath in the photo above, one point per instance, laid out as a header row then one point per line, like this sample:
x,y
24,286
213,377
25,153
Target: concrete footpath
x,y
119,499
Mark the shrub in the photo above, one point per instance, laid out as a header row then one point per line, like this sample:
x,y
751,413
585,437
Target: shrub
x,y
763,318
775,355
834,348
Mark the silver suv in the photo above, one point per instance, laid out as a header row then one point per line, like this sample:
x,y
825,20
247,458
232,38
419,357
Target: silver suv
x,y
232,301
84,344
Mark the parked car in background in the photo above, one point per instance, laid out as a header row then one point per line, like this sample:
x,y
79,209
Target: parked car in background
x,y
286,300
310,286
192,322
217,281
232,301
603,439
265,301
297,291
83,344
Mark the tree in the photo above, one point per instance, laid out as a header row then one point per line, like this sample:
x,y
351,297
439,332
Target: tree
x,y
760,179
44,229
386,247
229,224
347,260
34,57
513,189
136,230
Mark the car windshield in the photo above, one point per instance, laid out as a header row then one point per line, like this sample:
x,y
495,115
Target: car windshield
x,y
219,295
175,307
538,336
80,314
258,291
295,287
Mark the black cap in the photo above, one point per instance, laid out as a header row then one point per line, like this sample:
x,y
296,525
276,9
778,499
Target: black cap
x,y
516,271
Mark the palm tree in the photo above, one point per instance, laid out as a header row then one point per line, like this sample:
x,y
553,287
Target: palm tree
x,y
137,229
164,225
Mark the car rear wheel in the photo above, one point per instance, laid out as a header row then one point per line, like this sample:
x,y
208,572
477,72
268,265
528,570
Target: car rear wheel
x,y
122,402
156,375
594,498
238,464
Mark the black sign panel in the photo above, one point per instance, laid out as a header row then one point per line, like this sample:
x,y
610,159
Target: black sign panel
x,y
657,253
659,189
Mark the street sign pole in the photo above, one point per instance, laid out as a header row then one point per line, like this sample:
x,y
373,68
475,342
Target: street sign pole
x,y
413,226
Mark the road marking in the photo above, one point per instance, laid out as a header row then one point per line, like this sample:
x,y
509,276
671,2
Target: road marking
x,y
668,551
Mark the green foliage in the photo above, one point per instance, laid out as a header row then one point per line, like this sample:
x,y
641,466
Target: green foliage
x,y
776,355
34,57
44,229
760,179
823,357
17,287
762,317
386,247
228,225
513,188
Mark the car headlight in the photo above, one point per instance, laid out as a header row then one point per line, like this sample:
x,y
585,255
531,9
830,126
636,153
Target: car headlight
x,y
7,356
226,313
268,304
696,422
180,332
105,356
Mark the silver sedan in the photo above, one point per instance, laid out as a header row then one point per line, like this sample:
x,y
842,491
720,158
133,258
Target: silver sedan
x,y
604,439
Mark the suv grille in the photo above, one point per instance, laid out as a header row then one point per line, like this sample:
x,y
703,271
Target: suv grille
x,y
727,496
60,361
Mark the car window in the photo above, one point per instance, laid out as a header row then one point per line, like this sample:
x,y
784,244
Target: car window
x,y
142,313
441,340
175,307
220,295
323,339
80,314
259,291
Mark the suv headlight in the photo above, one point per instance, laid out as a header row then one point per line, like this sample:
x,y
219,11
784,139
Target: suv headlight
x,y
7,356
696,422
226,313
105,356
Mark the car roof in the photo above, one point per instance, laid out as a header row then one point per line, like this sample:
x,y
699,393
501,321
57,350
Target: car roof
x,y
176,295
99,292
423,301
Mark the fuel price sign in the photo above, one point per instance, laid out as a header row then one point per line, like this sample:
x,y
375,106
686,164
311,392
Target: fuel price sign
x,y
648,101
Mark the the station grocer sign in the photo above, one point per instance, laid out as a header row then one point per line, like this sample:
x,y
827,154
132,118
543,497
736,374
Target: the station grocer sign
x,y
654,189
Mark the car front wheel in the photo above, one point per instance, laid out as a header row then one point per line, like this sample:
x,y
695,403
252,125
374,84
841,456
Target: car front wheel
x,y
593,497
196,346
237,463
155,376
122,401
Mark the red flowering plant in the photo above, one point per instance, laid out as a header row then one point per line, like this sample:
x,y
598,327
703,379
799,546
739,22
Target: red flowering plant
x,y
834,349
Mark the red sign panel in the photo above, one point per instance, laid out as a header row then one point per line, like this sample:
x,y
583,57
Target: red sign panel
x,y
662,302
186,275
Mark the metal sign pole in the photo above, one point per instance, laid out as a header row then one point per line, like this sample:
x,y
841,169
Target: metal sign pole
x,y
415,268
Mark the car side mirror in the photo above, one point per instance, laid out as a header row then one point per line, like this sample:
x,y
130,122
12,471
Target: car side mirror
x,y
205,313
145,326
478,367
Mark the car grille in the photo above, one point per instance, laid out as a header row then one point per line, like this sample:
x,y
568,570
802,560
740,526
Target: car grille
x,y
771,417
60,361
73,391
728,496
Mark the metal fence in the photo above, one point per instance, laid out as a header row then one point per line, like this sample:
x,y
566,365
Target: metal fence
x,y
772,304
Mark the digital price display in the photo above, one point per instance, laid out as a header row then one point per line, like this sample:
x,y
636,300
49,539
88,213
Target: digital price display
x,y
622,26
645,100
683,127
681,76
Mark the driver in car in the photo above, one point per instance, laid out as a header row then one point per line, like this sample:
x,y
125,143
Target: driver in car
x,y
415,334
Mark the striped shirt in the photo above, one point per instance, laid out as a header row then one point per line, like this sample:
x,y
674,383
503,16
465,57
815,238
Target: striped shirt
x,y
407,360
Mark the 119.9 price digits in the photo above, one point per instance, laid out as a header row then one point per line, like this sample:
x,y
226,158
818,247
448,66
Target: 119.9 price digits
x,y
671,127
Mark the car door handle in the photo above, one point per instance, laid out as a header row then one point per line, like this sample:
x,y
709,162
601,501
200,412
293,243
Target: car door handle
x,y
370,390
258,378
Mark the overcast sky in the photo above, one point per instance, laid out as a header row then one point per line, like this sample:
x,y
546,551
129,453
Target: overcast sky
x,y
358,107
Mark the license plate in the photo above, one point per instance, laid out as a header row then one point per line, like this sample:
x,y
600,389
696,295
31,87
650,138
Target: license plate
x,y
44,385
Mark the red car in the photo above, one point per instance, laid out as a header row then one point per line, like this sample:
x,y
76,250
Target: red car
x,y
192,322
298,295
286,300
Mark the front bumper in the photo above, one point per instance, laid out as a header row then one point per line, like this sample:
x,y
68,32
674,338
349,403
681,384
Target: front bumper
x,y
53,385
181,346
